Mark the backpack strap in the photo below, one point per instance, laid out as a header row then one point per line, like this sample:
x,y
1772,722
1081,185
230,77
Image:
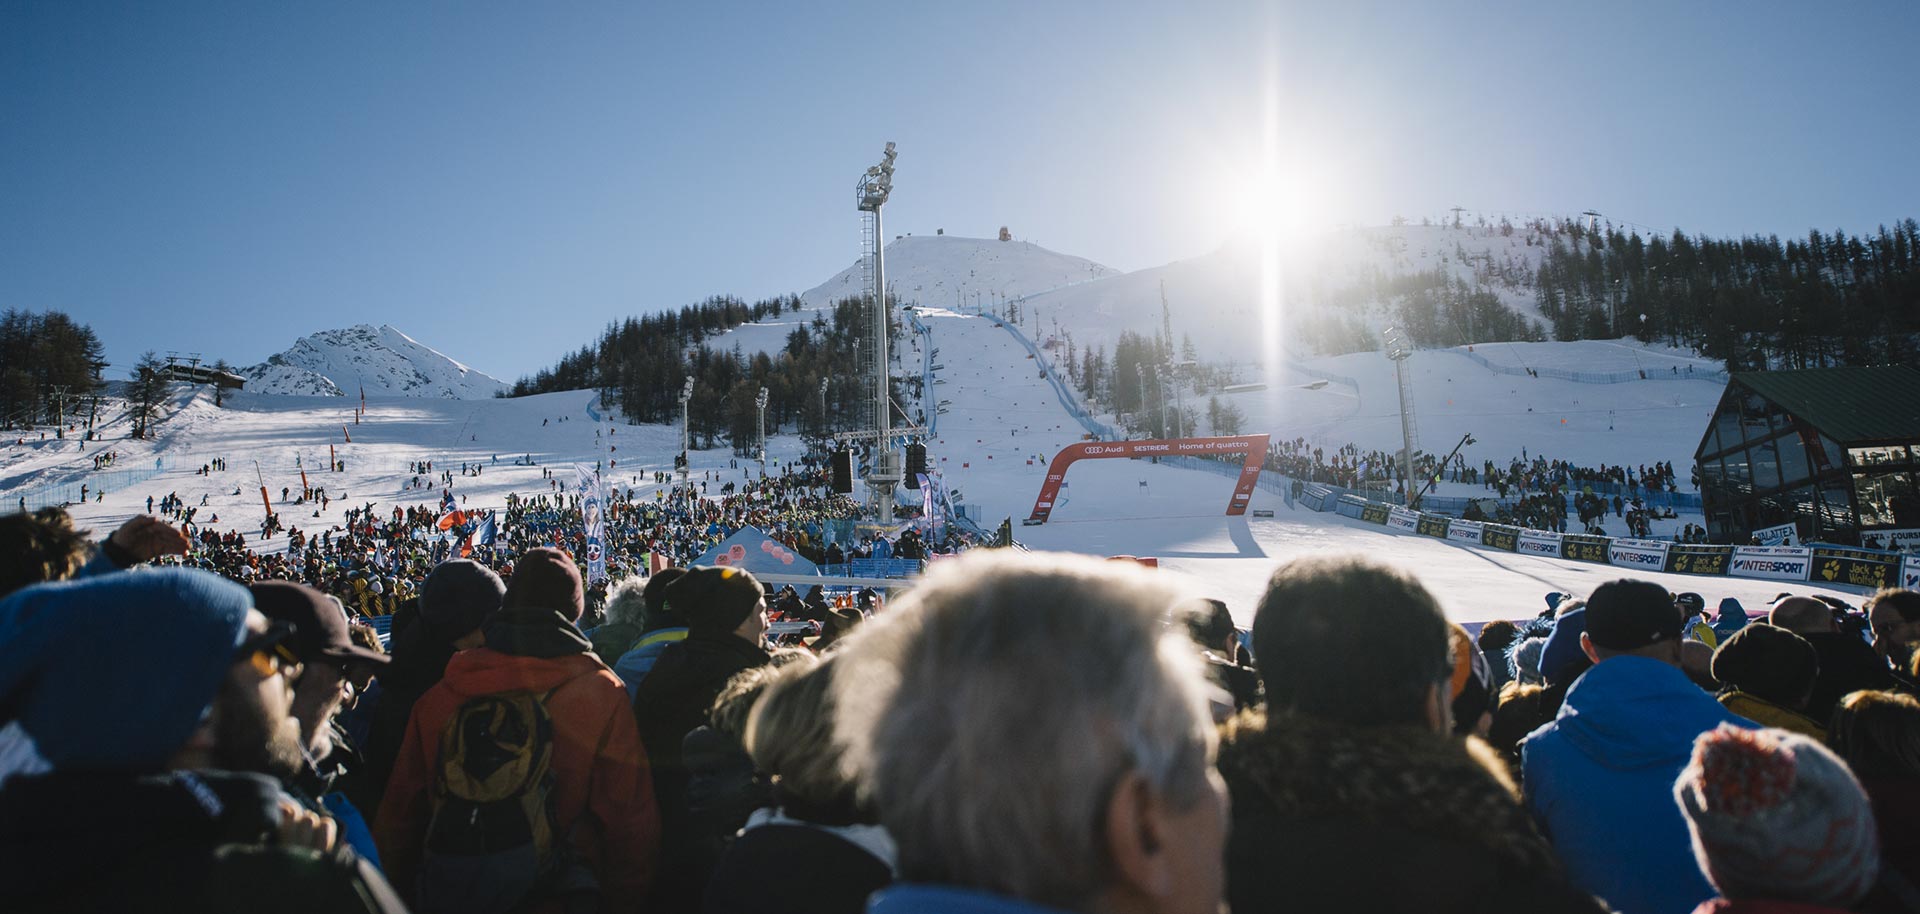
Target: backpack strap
x,y
662,636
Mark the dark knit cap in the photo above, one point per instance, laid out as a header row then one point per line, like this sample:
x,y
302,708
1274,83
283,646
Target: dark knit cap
x,y
1562,654
659,614
1626,615
1768,663
546,578
113,672
320,631
458,597
715,600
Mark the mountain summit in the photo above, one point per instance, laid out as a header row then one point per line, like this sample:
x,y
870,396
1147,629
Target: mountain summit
x,y
382,360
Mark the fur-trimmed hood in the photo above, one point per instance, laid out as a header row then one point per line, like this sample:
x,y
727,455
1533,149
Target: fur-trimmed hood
x,y
1402,778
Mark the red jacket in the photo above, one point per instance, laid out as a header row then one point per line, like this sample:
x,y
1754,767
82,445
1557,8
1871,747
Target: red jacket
x,y
600,769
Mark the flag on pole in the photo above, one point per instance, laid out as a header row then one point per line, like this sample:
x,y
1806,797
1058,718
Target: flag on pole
x,y
483,534
593,520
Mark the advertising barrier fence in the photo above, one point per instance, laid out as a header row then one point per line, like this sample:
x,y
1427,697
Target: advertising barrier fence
x,y
1910,572
1585,548
1403,519
1699,559
1774,563
1819,563
1466,531
1501,537
1864,567
1315,497
1539,542
1650,555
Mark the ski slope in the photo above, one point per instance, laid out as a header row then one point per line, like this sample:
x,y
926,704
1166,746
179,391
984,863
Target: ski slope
x,y
1003,423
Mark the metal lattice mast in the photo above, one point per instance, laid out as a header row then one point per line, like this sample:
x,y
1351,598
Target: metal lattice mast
x,y
1399,350
870,194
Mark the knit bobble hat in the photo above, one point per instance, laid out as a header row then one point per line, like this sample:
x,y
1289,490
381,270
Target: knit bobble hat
x,y
546,578
114,672
1776,816
458,596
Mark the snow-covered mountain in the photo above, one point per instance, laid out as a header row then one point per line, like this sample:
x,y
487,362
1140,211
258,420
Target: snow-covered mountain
x,y
954,272
381,360
1346,275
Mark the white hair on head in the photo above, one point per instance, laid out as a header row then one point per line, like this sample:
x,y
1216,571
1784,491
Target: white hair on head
x,y
992,712
627,601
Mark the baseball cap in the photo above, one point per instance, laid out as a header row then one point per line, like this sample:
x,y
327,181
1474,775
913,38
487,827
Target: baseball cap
x,y
320,628
1626,614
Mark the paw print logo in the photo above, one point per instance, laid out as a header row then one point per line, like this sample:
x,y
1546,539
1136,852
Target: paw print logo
x,y
1830,569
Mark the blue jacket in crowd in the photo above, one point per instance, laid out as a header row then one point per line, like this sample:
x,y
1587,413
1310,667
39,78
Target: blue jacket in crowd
x,y
635,664
909,898
1600,781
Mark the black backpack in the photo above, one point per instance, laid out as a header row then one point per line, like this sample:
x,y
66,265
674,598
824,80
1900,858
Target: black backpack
x,y
493,841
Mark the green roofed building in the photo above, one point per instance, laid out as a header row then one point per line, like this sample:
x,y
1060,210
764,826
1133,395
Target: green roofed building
x,y
1833,451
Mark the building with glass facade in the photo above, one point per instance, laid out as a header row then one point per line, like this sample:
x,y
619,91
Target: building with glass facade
x,y
1834,451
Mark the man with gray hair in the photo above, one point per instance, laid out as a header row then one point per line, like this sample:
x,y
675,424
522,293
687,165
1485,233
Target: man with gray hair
x,y
1035,737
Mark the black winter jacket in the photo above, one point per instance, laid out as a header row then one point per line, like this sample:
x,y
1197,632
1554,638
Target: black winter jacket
x,y
1335,818
196,841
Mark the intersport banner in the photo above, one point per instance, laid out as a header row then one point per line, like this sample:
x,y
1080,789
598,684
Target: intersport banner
x,y
1648,554
1854,566
1910,573
1585,548
1403,519
1499,537
1539,542
1466,531
1775,563
1699,559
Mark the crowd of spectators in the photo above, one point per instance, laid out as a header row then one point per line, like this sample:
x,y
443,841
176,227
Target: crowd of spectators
x,y
1018,733
1349,466
377,557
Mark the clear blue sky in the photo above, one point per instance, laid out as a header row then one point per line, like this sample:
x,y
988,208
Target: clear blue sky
x,y
500,180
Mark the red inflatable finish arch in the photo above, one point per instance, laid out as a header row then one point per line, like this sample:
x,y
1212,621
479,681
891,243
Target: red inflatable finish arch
x,y
1252,447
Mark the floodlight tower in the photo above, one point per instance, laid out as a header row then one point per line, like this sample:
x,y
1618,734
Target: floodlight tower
x,y
686,441
824,424
870,194
760,403
1399,350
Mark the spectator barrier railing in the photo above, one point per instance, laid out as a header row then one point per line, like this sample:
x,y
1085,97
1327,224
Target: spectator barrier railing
x,y
1597,377
68,493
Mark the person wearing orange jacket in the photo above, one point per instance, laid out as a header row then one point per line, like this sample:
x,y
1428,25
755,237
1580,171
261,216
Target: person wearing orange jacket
x,y
601,801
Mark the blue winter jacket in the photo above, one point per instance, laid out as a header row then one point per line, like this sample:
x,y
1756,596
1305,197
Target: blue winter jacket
x,y
635,664
1599,779
911,898
1733,618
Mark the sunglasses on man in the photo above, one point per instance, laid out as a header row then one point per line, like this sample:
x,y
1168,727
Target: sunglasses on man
x,y
268,654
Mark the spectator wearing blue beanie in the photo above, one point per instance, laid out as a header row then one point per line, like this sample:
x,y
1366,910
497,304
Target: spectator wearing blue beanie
x,y
114,672
153,694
